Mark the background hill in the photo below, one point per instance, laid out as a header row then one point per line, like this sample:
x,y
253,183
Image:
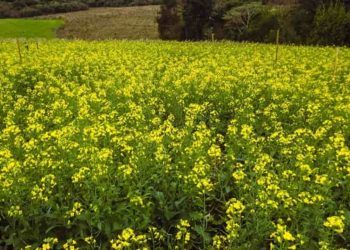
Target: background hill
x,y
27,8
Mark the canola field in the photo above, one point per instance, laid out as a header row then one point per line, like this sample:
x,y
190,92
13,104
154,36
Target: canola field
x,y
166,145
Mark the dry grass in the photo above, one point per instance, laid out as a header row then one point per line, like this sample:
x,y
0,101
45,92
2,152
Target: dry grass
x,y
110,23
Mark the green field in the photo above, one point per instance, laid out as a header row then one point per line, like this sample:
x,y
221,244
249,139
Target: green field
x,y
169,145
28,28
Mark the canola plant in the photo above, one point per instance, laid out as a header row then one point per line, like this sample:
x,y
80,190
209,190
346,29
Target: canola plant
x,y
167,145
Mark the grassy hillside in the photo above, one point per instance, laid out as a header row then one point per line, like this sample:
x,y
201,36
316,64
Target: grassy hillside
x,y
29,8
12,28
166,145
110,23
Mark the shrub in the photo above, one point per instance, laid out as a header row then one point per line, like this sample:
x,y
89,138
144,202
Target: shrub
x,y
29,11
262,26
6,10
331,25
170,21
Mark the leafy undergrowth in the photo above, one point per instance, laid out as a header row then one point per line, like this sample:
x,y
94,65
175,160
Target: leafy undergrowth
x,y
165,145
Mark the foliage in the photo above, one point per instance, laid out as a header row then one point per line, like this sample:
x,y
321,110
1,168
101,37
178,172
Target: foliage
x,y
170,21
196,15
331,25
27,8
240,19
166,145
309,22
185,20
23,8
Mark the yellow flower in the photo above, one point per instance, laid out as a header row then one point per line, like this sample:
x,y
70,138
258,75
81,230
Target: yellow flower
x,y
76,210
183,233
288,236
15,211
90,240
214,151
336,223
239,175
321,179
127,239
235,207
46,246
184,223
282,235
218,241
70,245
137,200
246,131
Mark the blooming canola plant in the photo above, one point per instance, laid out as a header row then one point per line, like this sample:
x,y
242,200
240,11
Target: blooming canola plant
x,y
167,145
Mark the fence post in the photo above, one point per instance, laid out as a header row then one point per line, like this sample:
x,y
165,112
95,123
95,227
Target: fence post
x,y
27,45
19,50
277,43
335,64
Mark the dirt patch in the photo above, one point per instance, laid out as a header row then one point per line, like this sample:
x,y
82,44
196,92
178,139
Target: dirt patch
x,y
110,23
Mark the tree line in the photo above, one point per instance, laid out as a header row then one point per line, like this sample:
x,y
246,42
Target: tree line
x,y
28,8
323,22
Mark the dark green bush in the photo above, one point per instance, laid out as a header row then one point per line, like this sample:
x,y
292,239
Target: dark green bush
x,y
29,11
262,27
310,22
170,23
6,10
331,25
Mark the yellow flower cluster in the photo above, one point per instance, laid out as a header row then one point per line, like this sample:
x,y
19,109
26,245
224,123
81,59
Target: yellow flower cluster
x,y
48,244
183,235
109,144
44,190
76,210
234,214
15,211
128,239
284,238
70,245
335,223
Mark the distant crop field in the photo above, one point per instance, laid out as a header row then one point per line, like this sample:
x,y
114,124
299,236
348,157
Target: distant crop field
x,y
28,28
137,22
169,145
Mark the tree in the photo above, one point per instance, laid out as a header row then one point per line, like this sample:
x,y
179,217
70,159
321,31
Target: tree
x,y
331,25
170,20
241,17
197,18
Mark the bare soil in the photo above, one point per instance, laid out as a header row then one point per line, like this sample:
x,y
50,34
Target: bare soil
x,y
110,23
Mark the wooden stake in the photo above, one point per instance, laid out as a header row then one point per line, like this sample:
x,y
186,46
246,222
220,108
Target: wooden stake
x,y
19,51
336,64
212,37
27,45
277,43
